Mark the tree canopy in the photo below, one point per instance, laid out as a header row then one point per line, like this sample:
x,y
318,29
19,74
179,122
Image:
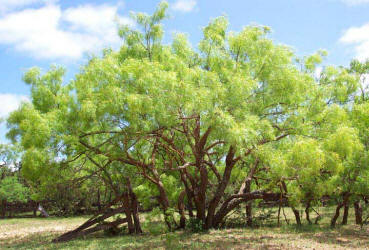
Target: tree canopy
x,y
236,119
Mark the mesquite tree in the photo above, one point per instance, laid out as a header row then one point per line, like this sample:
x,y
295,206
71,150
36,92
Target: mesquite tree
x,y
187,120
206,129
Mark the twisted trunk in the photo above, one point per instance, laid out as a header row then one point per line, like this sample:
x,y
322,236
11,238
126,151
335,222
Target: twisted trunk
x,y
230,162
338,208
336,215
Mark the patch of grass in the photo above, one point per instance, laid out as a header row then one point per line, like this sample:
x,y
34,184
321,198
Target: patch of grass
x,y
37,233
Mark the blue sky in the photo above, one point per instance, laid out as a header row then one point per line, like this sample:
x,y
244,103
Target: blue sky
x,y
44,32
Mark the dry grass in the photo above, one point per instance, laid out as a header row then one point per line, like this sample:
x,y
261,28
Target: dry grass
x,y
37,233
14,231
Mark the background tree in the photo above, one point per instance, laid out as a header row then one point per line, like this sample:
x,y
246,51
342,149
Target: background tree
x,y
12,186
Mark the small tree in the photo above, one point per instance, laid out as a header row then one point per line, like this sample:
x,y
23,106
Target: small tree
x,y
11,190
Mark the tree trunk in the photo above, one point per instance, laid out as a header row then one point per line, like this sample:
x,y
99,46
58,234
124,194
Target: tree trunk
x,y
338,208
98,227
297,216
232,202
133,206
358,213
128,213
98,221
136,218
307,212
345,214
222,185
188,191
336,215
246,188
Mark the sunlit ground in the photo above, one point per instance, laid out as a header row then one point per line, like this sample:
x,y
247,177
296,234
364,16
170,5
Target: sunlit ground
x,y
37,233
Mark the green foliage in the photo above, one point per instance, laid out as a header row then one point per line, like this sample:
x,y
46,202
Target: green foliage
x,y
12,190
195,225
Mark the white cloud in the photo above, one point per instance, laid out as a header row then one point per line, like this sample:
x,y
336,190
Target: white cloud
x,y
52,33
184,5
94,19
355,2
10,102
358,37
